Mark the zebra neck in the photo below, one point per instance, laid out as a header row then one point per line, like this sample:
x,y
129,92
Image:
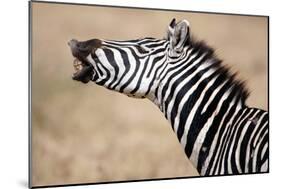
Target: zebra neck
x,y
197,104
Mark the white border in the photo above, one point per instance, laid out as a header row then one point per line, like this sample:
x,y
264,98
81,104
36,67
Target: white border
x,y
14,90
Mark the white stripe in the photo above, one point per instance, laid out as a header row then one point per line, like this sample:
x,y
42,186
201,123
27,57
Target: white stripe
x,y
201,136
176,77
153,43
175,64
145,80
264,150
185,98
235,129
131,43
250,140
153,65
237,152
255,141
133,48
264,167
257,150
214,144
119,61
90,59
179,86
216,171
103,59
133,83
214,94
132,62
210,155
208,124
238,108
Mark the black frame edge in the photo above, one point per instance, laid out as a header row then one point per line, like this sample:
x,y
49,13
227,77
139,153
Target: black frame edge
x,y
145,8
29,94
144,180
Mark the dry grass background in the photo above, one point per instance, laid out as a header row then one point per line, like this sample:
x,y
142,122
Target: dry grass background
x,y
84,133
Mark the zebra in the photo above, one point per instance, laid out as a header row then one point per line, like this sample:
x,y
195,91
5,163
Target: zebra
x,y
198,95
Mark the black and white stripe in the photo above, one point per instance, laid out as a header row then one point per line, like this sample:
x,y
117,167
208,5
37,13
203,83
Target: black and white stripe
x,y
204,103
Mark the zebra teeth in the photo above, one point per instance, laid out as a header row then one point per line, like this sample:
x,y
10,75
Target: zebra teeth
x,y
80,67
77,64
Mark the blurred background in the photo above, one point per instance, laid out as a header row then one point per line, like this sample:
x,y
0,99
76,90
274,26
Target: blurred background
x,y
85,133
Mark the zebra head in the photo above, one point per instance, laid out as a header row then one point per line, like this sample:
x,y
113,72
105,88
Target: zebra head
x,y
132,67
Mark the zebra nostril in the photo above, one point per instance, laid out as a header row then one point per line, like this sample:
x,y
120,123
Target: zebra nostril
x,y
72,42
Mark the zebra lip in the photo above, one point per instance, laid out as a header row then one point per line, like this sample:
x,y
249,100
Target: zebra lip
x,y
81,69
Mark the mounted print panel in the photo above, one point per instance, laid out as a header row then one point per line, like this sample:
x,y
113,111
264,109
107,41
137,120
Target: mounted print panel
x,y
127,94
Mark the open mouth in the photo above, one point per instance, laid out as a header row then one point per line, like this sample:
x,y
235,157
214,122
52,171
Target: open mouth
x,y
83,71
78,67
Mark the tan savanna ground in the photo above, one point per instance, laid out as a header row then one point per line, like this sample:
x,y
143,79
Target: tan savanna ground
x,y
85,133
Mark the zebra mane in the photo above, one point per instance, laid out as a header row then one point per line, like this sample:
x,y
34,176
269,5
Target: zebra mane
x,y
201,47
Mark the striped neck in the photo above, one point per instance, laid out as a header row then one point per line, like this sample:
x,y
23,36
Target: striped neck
x,y
194,94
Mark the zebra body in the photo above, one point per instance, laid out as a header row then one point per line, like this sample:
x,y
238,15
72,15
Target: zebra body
x,y
204,103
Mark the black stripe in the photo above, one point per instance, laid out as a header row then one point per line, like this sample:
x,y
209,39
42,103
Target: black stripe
x,y
103,81
156,45
176,64
180,79
255,134
98,73
157,88
156,59
204,154
126,65
134,47
222,138
197,122
141,77
134,73
185,63
253,148
110,57
225,141
245,141
149,40
237,131
229,132
260,159
221,78
213,160
188,105
155,75
202,118
217,119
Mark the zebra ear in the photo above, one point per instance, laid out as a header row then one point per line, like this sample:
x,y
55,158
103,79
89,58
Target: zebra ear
x,y
178,35
170,29
173,23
